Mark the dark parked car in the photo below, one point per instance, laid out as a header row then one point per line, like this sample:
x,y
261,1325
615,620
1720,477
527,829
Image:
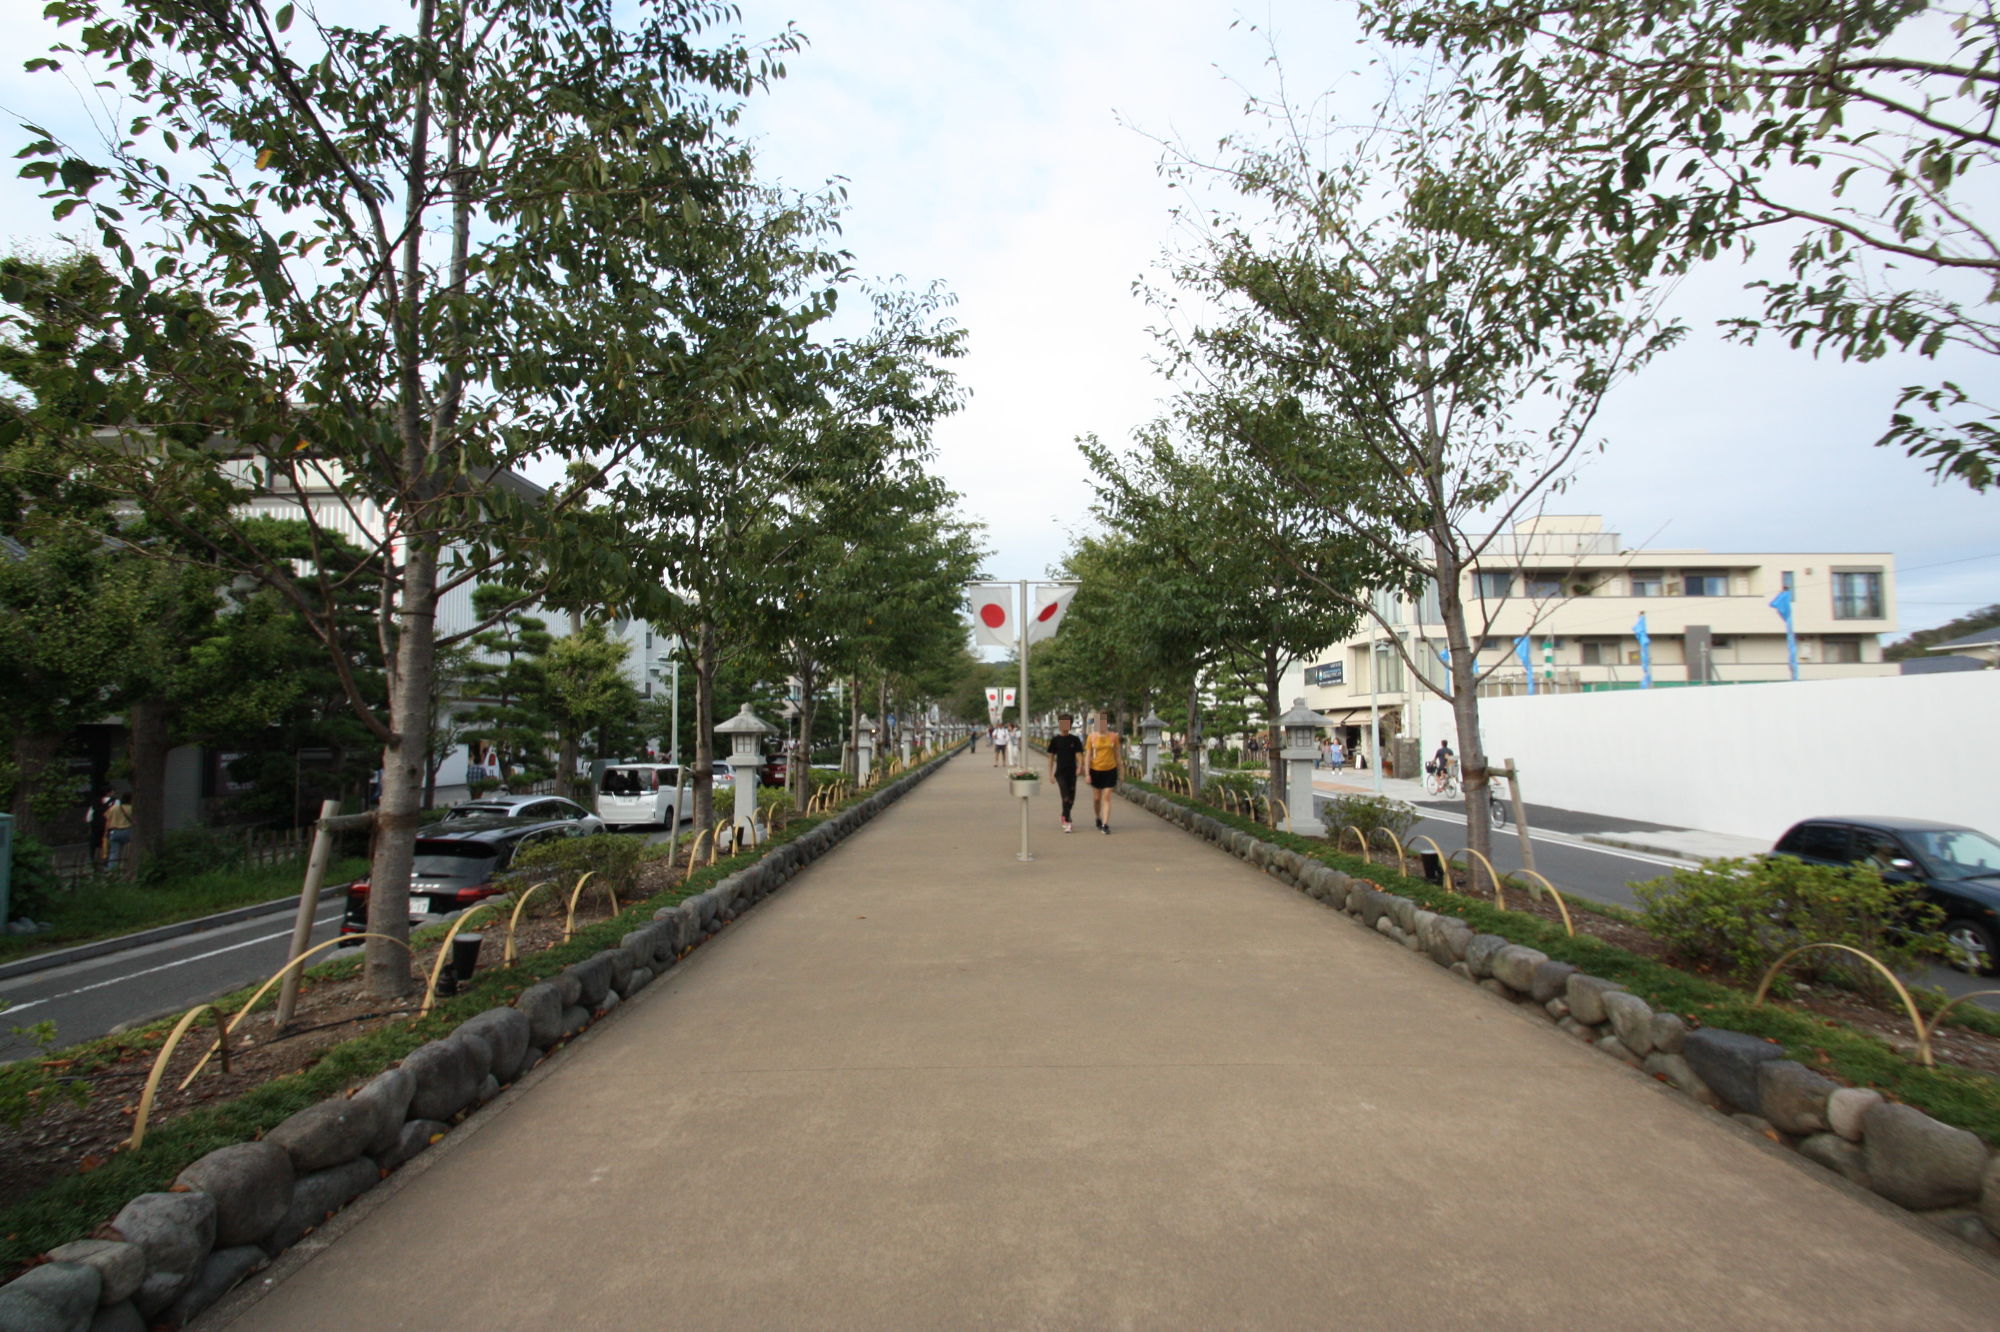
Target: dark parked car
x,y
456,864
1958,867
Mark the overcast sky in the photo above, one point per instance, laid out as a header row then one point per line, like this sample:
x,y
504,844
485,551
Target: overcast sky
x,y
991,146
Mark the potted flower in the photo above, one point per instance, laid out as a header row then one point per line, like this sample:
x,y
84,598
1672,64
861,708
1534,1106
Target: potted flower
x,y
1023,781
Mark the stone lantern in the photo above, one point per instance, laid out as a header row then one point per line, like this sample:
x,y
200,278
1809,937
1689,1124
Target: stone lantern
x,y
1301,727
864,749
745,732
1149,741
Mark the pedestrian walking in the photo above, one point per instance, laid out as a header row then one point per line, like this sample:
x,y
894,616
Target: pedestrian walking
x,y
1336,756
1102,751
1064,751
998,736
117,832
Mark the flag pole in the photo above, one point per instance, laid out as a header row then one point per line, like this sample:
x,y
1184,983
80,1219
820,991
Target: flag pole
x,y
1021,718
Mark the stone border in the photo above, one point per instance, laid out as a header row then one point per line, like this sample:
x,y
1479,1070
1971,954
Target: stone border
x,y
1942,1174
166,1257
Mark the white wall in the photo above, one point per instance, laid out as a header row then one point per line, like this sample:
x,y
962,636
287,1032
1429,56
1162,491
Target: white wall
x,y
1752,759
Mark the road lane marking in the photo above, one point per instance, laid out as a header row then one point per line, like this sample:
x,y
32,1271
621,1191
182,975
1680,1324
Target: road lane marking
x,y
13,1009
1552,838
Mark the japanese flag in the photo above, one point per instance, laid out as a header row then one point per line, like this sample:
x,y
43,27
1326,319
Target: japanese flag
x,y
1006,698
1051,604
993,615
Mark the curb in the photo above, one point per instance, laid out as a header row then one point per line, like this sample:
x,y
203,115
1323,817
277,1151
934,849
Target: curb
x,y
60,957
1644,848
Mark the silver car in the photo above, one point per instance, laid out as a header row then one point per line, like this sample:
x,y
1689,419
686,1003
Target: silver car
x,y
533,808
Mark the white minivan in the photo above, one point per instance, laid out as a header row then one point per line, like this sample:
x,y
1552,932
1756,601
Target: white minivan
x,y
639,794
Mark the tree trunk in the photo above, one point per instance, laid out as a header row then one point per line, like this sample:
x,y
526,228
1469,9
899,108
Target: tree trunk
x,y
34,755
569,746
851,757
1194,734
1473,779
800,775
1274,781
387,960
147,725
704,726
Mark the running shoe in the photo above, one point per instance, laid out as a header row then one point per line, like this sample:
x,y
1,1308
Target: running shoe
x,y
1066,827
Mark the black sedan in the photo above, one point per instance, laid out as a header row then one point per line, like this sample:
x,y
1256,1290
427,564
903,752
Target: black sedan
x,y
1958,867
456,865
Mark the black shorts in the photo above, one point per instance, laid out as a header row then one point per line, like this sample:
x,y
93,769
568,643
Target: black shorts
x,y
1105,779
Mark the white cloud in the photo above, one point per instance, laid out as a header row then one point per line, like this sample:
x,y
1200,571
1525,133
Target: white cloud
x,y
984,147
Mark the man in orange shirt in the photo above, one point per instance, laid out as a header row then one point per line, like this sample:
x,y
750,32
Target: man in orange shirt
x,y
1101,752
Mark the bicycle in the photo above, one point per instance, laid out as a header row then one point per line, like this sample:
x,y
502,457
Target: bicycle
x,y
1442,781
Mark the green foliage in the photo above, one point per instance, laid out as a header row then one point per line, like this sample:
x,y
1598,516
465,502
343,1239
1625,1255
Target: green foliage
x,y
613,858
1368,813
188,852
1677,131
1915,647
34,891
1743,915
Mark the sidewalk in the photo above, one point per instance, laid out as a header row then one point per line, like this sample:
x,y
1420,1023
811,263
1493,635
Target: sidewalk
x,y
1131,1084
1691,844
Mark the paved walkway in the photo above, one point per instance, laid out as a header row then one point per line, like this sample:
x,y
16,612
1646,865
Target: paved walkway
x,y
1131,1084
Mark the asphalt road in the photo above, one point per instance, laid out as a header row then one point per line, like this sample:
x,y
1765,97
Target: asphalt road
x,y
87,999
1607,874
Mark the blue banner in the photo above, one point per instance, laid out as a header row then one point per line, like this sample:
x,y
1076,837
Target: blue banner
x,y
1645,653
1524,648
1782,603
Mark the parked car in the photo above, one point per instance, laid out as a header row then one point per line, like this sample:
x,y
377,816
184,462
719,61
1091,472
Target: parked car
x,y
1958,867
456,864
641,795
535,809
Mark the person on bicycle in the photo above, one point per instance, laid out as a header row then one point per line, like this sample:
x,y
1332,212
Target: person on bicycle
x,y
1443,760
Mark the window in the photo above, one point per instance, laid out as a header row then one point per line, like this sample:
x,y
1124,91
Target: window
x,y
1841,651
1495,585
1388,669
1817,841
1543,586
1430,610
1857,594
1646,583
1601,651
1705,583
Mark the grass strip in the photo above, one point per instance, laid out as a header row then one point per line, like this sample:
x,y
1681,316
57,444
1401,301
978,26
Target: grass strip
x,y
71,1207
1962,1097
108,907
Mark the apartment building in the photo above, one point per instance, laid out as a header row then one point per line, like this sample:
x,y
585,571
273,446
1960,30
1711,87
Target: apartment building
x,y
1575,593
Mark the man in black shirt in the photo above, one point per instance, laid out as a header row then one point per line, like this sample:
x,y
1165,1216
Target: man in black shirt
x,y
1064,750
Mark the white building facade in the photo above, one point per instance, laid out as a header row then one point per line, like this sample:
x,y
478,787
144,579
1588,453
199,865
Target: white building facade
x,y
1569,597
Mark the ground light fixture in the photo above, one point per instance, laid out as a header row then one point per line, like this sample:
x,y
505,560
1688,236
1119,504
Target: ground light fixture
x,y
464,961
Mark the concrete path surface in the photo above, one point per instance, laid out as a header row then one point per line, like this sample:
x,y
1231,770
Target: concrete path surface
x,y
1132,1084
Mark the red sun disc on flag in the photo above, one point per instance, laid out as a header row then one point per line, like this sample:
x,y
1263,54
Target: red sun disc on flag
x,y
1049,611
994,614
